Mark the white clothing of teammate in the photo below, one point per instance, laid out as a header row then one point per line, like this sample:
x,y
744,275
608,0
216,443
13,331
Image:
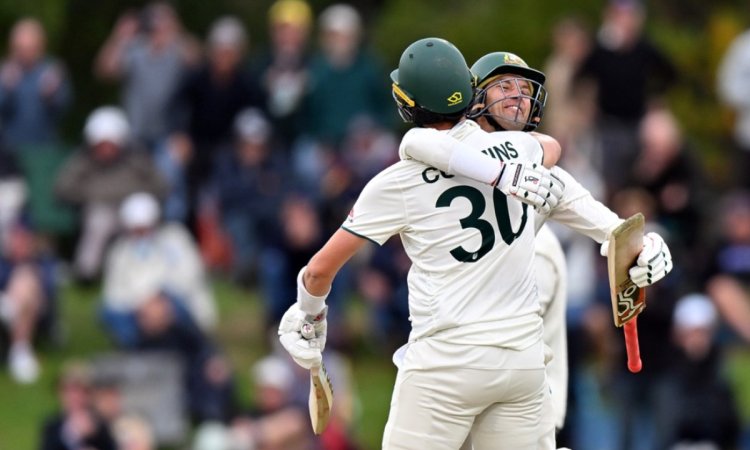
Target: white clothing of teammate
x,y
473,307
551,279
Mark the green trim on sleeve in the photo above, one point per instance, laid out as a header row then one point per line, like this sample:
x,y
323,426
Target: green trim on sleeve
x,y
360,236
540,145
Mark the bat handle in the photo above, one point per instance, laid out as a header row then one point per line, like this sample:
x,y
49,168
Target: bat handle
x,y
631,345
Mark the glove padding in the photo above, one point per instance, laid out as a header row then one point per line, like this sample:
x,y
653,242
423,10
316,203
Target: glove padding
x,y
304,336
532,184
653,263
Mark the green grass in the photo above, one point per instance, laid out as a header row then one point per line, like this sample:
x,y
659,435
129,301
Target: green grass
x,y
738,369
23,408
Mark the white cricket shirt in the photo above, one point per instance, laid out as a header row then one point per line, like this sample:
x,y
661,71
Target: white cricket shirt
x,y
472,249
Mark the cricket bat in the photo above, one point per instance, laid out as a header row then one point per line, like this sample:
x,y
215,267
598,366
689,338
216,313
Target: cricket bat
x,y
320,401
321,398
628,300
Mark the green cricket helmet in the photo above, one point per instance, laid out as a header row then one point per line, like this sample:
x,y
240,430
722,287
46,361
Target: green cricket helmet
x,y
433,83
488,70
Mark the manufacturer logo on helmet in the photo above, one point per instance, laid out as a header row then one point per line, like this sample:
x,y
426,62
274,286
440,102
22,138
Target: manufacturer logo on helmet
x,y
510,58
455,99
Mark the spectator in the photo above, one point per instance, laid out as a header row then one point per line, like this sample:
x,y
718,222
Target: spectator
x,y
296,238
161,323
733,80
154,298
623,56
289,247
13,193
107,397
345,80
150,53
283,67
34,90
149,258
208,101
98,177
278,420
667,168
28,299
250,183
341,69
567,114
369,149
382,284
131,432
76,426
641,412
701,405
729,266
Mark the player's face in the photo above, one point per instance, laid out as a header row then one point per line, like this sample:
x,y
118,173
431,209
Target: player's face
x,y
509,98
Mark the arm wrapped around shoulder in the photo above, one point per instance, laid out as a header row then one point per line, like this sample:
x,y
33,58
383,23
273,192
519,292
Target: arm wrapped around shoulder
x,y
444,152
532,184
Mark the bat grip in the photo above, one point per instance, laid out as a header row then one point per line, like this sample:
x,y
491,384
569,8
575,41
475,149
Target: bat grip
x,y
631,345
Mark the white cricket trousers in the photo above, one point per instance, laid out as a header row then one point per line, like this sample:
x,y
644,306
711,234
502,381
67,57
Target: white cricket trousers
x,y
445,393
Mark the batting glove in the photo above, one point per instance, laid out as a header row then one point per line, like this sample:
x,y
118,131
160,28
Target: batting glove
x,y
304,336
653,263
532,184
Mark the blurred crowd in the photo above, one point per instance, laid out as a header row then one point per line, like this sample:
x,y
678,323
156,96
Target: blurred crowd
x,y
220,161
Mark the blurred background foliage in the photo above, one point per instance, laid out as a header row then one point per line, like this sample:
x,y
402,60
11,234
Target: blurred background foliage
x,y
694,33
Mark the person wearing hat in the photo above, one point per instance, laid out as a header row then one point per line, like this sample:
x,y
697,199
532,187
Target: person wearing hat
x,y
277,420
250,184
282,68
98,177
157,297
147,260
699,403
345,79
206,104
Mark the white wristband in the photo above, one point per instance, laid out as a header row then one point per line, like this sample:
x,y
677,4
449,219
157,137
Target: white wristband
x,y
308,303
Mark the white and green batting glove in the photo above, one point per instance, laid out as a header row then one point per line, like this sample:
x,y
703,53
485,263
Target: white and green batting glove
x,y
531,183
303,328
654,261
304,336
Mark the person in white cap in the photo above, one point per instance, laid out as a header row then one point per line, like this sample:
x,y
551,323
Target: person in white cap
x,y
277,419
205,105
699,404
98,177
157,297
148,259
345,79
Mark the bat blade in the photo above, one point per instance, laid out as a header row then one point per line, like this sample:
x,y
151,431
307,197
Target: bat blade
x,y
628,300
321,398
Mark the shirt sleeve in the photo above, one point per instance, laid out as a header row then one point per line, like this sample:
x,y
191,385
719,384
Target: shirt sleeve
x,y
447,153
581,212
380,210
